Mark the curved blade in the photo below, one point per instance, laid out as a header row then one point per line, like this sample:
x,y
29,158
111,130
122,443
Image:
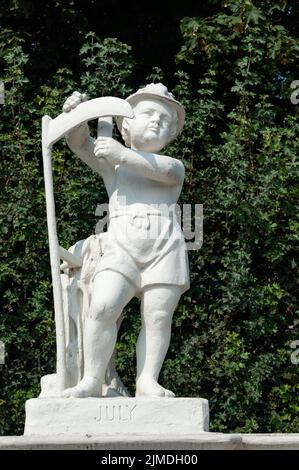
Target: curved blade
x,y
92,109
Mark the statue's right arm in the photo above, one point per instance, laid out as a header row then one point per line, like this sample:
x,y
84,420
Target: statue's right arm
x,y
78,139
80,142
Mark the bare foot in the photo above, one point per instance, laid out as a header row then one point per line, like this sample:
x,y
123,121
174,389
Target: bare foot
x,y
150,388
87,387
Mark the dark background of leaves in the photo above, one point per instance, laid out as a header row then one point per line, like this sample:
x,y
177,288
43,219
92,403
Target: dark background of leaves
x,y
231,63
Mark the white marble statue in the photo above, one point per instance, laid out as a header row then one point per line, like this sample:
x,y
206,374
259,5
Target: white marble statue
x,y
143,252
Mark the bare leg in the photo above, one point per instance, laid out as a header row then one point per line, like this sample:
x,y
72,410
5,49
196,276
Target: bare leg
x,y
111,293
158,305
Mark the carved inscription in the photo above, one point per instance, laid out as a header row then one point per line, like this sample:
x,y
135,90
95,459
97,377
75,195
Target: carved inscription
x,y
118,413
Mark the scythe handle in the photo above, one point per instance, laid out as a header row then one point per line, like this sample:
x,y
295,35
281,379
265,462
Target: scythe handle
x,y
54,257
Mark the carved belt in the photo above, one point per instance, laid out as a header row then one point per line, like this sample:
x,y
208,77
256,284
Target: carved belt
x,y
135,215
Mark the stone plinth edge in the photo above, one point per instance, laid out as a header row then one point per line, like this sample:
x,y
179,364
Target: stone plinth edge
x,y
203,441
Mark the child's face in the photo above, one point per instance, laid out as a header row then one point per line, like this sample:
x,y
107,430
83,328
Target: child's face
x,y
151,126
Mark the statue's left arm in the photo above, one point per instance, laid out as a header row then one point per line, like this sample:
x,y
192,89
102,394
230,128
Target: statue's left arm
x,y
156,167
150,165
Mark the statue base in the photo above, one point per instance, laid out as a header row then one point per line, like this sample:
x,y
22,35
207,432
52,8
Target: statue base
x,y
98,416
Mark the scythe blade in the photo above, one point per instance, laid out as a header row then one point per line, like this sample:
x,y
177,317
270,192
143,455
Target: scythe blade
x,y
92,109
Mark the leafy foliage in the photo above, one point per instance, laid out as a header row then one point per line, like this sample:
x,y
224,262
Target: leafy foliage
x,y
233,329
241,136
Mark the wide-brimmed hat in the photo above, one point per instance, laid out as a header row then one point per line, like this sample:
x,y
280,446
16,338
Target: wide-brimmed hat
x,y
159,92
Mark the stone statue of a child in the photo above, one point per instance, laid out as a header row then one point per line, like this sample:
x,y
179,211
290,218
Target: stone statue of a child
x,y
145,253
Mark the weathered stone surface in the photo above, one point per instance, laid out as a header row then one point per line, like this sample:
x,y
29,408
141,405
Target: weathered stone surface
x,y
118,416
201,441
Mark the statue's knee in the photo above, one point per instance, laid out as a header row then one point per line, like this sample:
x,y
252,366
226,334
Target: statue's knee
x,y
103,311
158,318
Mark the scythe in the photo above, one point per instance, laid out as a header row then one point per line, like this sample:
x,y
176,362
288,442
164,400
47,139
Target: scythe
x,y
52,131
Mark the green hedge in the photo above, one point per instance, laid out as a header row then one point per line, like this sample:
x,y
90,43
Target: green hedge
x,y
233,330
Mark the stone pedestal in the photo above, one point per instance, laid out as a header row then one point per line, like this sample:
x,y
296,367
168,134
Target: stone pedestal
x,y
98,416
